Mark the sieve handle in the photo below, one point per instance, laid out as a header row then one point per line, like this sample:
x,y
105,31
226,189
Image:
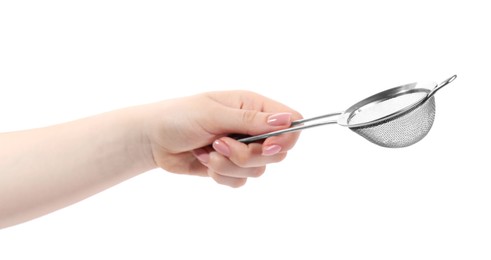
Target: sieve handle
x,y
441,85
297,125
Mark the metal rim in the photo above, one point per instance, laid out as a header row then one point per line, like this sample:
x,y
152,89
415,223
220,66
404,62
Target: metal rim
x,y
348,114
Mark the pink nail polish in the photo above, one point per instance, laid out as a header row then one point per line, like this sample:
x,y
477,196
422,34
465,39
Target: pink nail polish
x,y
280,119
221,147
271,150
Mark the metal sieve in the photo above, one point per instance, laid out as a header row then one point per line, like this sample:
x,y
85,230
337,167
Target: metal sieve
x,y
397,117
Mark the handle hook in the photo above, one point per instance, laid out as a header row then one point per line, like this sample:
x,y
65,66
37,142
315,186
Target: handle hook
x,y
441,85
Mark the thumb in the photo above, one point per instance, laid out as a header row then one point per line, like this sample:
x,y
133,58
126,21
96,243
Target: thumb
x,y
252,122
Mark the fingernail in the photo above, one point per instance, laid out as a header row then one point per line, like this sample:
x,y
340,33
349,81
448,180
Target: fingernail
x,y
221,147
280,119
271,150
202,155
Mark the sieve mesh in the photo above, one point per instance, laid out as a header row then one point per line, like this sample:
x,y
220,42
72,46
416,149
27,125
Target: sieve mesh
x,y
402,130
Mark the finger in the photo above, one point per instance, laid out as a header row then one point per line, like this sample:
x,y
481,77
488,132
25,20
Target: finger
x,y
246,155
226,180
285,141
249,100
198,169
252,122
183,163
223,166
250,113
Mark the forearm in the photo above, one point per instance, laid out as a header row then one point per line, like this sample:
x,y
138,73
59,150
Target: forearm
x,y
46,169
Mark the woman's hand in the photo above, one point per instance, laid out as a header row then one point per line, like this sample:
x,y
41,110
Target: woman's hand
x,y
45,169
189,135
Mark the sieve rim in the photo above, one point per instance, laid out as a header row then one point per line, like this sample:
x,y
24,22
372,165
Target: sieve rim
x,y
416,87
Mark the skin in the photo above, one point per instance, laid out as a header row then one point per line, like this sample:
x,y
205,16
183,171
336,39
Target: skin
x,y
45,169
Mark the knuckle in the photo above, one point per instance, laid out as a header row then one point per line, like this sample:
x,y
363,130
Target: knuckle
x,y
216,161
242,159
237,182
248,116
296,115
282,156
258,172
279,157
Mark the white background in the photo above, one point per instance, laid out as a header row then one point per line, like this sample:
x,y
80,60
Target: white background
x,y
336,196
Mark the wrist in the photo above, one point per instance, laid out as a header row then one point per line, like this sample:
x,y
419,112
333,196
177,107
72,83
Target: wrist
x,y
139,148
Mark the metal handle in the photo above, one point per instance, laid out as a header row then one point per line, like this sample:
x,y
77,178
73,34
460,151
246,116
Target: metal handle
x,y
443,84
294,127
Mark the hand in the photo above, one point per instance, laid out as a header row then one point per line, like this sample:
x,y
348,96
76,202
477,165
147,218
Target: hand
x,y
180,132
